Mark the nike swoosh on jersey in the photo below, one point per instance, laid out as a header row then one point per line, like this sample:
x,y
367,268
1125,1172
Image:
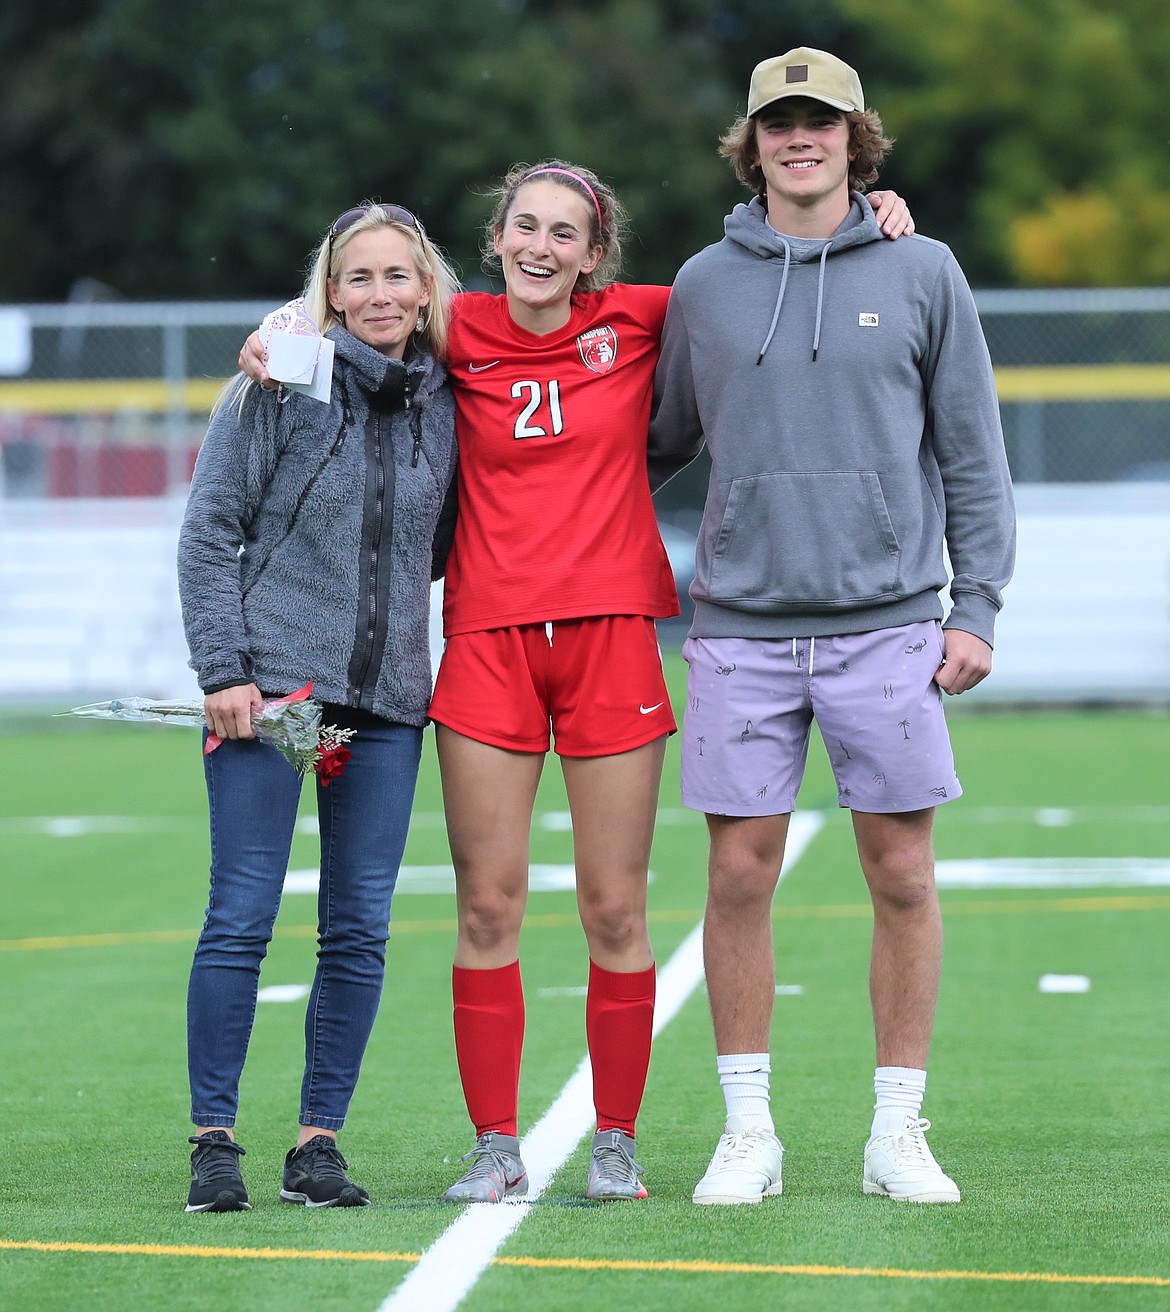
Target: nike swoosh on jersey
x,y
479,368
646,710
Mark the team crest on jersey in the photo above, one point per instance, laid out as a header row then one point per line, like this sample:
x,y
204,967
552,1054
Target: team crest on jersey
x,y
598,348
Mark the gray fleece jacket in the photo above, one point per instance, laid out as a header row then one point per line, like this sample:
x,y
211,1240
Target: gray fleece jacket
x,y
846,395
312,533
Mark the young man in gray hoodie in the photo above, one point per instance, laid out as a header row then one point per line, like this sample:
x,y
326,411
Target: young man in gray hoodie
x,y
843,387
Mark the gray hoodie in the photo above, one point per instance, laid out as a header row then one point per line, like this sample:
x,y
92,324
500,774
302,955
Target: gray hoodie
x,y
845,392
312,532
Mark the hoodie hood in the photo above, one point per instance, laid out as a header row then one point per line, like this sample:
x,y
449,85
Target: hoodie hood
x,y
747,226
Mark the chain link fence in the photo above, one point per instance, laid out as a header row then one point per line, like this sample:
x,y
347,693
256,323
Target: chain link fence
x,y
103,407
111,400
1084,383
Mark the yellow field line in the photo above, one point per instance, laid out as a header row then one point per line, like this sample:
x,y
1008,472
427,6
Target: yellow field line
x,y
994,906
1066,382
588,1264
1100,382
689,915
107,396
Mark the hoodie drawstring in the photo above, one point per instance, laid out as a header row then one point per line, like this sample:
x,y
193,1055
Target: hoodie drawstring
x,y
779,302
798,654
820,299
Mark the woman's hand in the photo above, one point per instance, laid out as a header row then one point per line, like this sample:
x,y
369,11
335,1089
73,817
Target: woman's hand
x,y
229,713
253,360
893,217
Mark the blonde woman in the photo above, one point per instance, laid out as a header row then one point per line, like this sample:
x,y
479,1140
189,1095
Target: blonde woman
x,y
310,540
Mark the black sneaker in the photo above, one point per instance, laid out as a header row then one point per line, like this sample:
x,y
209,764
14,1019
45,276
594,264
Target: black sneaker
x,y
216,1183
314,1174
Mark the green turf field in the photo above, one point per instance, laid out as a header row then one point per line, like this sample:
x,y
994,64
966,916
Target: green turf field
x,y
1050,1109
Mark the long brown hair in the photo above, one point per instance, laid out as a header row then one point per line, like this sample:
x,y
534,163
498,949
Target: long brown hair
x,y
607,217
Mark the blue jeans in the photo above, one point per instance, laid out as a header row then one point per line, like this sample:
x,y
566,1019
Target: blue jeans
x,y
253,794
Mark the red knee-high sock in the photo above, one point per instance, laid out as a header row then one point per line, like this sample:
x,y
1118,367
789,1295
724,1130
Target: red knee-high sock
x,y
619,1023
489,1038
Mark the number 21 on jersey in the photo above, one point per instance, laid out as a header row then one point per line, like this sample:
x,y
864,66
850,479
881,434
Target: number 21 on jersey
x,y
538,406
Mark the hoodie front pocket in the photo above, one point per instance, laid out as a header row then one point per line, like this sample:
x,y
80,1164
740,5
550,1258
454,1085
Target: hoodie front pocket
x,y
805,541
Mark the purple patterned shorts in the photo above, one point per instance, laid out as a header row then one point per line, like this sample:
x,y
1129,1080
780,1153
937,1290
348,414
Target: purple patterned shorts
x,y
751,703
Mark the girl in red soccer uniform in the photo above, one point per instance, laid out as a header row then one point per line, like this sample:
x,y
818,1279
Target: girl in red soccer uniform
x,y
554,582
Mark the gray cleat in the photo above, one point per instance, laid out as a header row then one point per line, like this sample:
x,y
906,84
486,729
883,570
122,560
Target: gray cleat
x,y
613,1173
496,1173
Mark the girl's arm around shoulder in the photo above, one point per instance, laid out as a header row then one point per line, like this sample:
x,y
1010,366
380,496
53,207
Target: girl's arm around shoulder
x,y
676,434
892,214
643,301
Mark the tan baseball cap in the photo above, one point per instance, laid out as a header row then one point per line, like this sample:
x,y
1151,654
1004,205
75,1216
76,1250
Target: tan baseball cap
x,y
805,72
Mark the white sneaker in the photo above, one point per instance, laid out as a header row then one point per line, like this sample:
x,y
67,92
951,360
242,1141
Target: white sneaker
x,y
745,1168
902,1167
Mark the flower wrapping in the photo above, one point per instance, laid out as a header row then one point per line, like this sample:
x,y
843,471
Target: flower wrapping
x,y
292,725
290,318
298,355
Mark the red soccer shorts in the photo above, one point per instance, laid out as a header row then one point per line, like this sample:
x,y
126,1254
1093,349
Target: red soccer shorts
x,y
596,683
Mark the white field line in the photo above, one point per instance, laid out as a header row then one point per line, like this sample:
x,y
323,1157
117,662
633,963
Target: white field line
x,y
454,1262
284,993
1054,872
1065,983
561,822
82,826
1049,817
441,879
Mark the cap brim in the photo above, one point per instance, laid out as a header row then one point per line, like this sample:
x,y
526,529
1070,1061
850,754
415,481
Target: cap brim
x,y
843,105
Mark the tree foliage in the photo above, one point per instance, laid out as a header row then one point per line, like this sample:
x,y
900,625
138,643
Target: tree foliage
x,y
1036,136
199,150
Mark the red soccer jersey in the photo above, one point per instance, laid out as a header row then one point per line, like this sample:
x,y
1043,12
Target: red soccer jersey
x,y
555,517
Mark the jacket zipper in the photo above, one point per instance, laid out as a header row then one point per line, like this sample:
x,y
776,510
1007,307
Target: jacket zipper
x,y
366,654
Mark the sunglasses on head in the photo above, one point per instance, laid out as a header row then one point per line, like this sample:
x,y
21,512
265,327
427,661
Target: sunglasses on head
x,y
395,213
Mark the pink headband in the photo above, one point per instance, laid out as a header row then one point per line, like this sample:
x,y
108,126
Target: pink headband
x,y
576,178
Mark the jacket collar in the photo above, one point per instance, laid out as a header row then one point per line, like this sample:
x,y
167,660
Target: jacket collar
x,y
377,372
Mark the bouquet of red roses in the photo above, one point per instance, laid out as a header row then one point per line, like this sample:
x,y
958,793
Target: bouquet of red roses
x,y
291,724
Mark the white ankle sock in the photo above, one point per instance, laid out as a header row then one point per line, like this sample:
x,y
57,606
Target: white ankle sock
x,y
898,1091
744,1079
